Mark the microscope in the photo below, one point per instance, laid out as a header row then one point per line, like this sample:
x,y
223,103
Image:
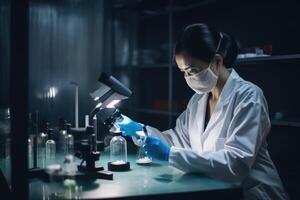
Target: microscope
x,y
110,92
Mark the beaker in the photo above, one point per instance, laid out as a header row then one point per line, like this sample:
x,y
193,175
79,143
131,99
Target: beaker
x,y
142,157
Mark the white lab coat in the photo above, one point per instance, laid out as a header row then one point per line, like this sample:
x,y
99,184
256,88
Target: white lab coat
x,y
233,146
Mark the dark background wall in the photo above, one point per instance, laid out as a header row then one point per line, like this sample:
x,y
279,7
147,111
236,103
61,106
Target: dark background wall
x,y
66,44
4,52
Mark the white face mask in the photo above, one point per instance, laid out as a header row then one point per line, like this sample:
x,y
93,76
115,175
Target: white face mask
x,y
205,80
202,82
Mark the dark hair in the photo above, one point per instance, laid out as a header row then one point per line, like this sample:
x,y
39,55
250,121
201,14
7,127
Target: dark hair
x,y
200,41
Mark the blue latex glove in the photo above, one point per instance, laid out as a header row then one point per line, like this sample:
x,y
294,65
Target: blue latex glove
x,y
129,127
155,148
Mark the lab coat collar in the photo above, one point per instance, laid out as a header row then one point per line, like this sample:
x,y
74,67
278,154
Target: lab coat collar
x,y
229,87
226,93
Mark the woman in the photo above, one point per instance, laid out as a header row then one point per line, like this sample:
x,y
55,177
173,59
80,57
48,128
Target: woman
x,y
222,133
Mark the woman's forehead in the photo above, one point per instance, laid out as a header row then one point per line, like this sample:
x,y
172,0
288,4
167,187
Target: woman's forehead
x,y
181,61
184,61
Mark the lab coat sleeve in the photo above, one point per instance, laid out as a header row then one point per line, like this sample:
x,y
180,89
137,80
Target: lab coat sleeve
x,y
248,129
177,136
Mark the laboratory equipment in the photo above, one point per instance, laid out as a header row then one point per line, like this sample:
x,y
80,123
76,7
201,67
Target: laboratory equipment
x,y
32,131
142,157
95,123
50,148
111,91
89,152
76,102
109,94
70,166
42,138
69,140
30,152
55,189
118,153
61,143
69,183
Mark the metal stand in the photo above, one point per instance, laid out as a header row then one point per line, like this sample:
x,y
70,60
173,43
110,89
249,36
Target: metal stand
x,y
90,167
89,152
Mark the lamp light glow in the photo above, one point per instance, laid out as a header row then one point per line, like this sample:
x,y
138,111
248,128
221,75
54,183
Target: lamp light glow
x,y
112,104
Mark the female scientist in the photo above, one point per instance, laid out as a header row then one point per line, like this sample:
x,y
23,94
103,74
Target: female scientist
x,y
222,133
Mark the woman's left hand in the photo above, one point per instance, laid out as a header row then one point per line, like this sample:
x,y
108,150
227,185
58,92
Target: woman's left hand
x,y
155,148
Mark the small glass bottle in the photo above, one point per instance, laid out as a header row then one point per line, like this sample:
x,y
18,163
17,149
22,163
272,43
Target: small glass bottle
x,y
50,149
69,139
30,153
61,143
41,146
118,153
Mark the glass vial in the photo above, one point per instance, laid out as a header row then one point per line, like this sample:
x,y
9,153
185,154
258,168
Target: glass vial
x,y
41,145
41,148
50,149
30,153
61,142
69,140
118,153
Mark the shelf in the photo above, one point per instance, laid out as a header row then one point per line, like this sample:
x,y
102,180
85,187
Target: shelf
x,y
285,123
175,8
238,61
157,112
267,58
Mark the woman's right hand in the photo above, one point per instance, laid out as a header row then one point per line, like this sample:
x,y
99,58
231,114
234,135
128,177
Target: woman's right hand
x,y
128,127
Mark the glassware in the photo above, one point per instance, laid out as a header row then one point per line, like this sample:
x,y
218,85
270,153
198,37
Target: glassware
x,y
30,153
55,189
69,183
61,143
118,150
41,148
142,157
118,153
50,149
69,140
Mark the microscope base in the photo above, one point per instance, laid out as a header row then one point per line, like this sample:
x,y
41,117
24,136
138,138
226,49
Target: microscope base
x,y
107,175
97,172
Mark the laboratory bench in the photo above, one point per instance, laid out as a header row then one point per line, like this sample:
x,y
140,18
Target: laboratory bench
x,y
153,181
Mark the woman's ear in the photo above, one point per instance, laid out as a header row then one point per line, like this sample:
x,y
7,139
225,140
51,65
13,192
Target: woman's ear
x,y
219,60
218,63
